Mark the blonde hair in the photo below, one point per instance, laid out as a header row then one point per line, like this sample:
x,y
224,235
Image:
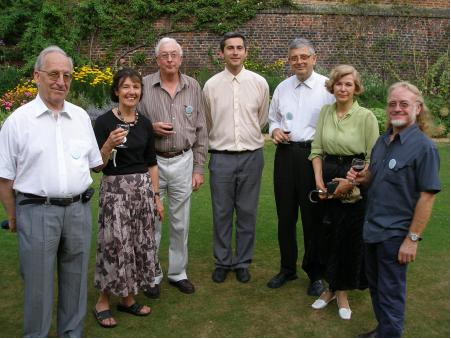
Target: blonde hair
x,y
423,118
339,72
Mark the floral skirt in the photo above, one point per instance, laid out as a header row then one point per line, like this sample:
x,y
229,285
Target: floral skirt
x,y
126,248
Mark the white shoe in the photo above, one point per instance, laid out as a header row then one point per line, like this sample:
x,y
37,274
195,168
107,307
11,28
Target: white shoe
x,y
345,313
320,303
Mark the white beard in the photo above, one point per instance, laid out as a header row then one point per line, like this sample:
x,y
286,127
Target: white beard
x,y
398,122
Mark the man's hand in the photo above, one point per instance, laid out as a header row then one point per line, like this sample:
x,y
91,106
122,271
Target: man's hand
x,y
159,208
163,129
362,177
407,251
198,180
12,225
279,136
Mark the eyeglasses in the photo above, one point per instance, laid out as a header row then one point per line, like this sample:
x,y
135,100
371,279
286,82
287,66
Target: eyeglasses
x,y
54,75
166,56
303,57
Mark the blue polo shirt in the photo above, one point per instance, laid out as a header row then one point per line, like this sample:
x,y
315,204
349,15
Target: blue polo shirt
x,y
400,170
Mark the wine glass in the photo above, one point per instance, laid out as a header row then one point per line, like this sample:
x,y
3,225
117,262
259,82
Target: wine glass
x,y
126,128
358,165
286,124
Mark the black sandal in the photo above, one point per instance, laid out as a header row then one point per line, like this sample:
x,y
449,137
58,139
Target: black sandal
x,y
101,316
134,309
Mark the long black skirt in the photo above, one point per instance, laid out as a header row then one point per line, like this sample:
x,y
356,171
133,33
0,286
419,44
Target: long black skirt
x,y
342,246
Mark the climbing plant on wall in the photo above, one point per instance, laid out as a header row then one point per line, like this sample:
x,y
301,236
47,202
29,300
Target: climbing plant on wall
x,y
34,24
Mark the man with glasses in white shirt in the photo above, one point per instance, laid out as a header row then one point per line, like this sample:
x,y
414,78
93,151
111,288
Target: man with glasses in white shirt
x,y
47,148
297,102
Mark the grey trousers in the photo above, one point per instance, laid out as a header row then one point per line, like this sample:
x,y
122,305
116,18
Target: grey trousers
x,y
49,234
235,186
175,176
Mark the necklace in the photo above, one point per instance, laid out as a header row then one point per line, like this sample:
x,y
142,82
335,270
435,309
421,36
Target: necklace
x,y
132,123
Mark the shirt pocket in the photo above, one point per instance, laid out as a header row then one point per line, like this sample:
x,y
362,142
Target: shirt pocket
x,y
398,174
78,150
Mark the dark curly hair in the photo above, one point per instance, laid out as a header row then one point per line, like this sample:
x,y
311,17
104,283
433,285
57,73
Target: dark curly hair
x,y
120,77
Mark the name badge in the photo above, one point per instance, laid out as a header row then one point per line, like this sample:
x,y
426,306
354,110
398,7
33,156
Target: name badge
x,y
189,110
76,154
392,163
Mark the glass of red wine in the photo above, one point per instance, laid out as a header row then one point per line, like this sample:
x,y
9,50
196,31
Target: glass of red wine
x,y
286,124
358,165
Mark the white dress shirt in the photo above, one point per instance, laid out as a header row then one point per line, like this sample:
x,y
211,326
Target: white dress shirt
x,y
47,156
237,109
304,101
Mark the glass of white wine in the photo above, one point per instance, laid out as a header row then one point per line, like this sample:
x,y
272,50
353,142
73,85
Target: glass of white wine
x,y
126,128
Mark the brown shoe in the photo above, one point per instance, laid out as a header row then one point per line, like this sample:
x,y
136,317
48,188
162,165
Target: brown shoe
x,y
184,286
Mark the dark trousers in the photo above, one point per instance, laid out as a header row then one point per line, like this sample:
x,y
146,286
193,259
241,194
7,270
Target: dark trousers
x,y
235,186
387,283
293,180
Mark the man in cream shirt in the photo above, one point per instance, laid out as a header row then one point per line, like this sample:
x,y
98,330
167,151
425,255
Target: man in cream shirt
x,y
237,109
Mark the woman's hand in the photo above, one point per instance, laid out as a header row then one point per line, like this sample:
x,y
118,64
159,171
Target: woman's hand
x,y
344,186
115,138
321,187
159,207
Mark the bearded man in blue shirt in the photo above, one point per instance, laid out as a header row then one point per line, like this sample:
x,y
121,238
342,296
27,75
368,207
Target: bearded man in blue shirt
x,y
403,179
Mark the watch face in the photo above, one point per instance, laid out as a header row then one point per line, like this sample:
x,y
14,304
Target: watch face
x,y
413,236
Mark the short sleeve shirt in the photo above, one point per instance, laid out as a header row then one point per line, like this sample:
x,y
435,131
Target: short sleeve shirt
x,y
401,170
47,156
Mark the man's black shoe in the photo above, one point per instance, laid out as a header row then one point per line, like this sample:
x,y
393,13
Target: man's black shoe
x,y
153,292
242,275
183,285
280,279
219,274
316,288
370,334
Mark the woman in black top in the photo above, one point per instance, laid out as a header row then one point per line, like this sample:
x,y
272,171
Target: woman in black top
x,y
128,201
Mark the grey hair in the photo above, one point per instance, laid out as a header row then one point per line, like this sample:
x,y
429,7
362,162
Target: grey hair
x,y
166,40
51,49
301,42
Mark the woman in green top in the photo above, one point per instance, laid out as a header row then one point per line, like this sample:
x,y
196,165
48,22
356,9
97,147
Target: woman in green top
x,y
344,131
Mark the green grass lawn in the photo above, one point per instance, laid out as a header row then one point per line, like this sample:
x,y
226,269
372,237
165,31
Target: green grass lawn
x,y
233,309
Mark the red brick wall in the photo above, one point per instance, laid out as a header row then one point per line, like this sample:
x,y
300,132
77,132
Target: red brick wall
x,y
391,46
414,3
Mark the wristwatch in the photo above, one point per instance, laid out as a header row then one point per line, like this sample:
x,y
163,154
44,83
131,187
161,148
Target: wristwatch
x,y
414,236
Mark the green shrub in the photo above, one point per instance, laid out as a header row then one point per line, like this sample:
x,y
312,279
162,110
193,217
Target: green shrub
x,y
381,117
10,76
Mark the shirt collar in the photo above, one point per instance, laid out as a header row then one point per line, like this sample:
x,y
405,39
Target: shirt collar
x,y
355,106
230,76
42,108
310,82
156,80
403,135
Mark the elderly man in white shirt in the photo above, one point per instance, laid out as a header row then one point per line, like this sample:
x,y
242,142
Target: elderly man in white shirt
x,y
293,115
237,101
47,148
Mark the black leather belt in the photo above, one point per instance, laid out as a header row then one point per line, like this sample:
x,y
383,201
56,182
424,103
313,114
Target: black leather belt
x,y
302,144
38,200
169,155
342,159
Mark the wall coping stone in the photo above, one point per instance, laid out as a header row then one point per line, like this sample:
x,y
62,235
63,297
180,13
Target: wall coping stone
x,y
362,10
